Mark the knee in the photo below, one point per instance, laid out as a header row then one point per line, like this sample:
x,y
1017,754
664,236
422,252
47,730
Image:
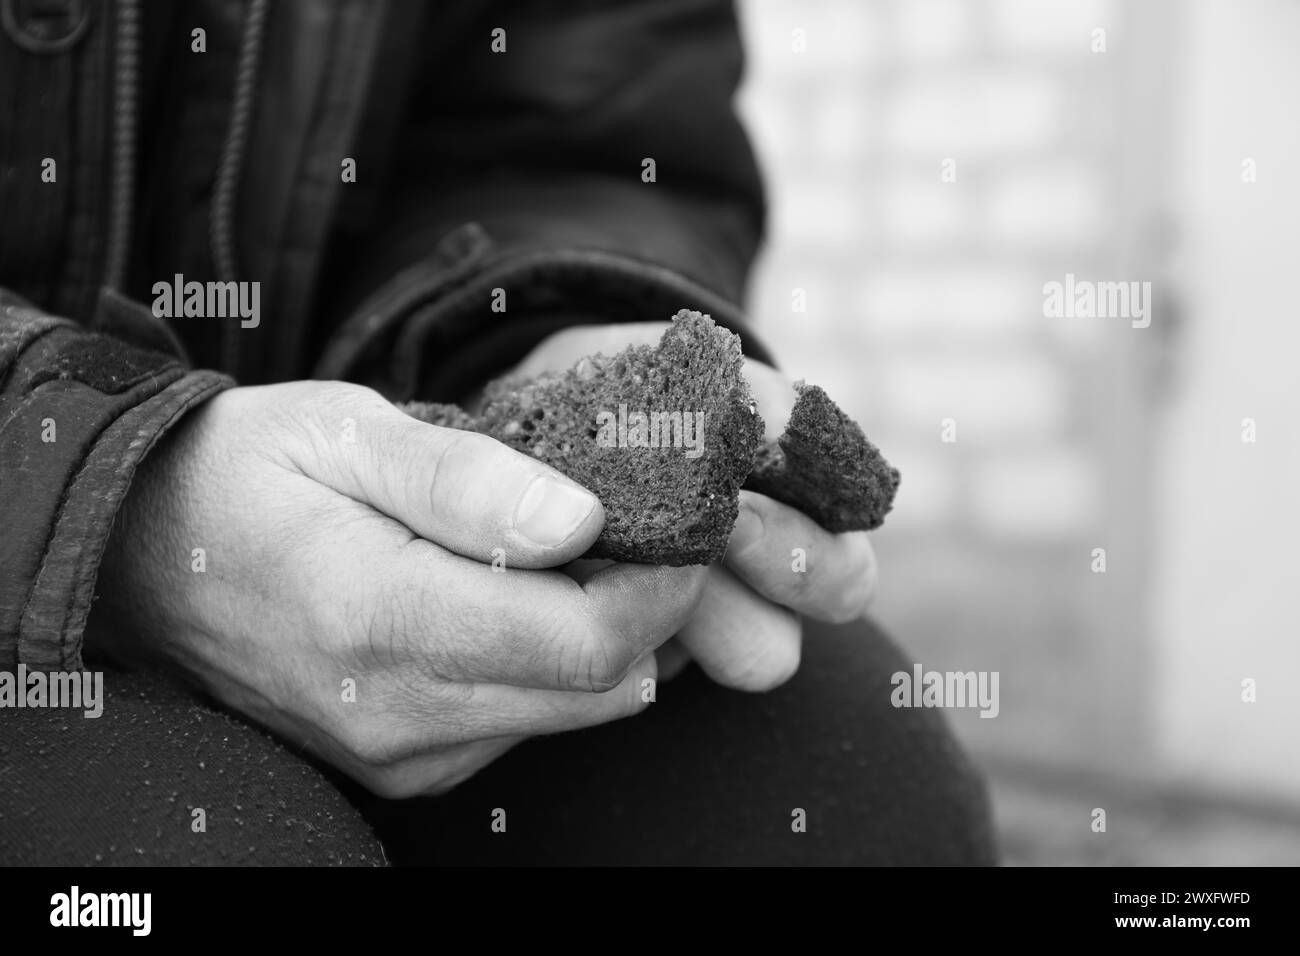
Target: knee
x,y
927,802
161,779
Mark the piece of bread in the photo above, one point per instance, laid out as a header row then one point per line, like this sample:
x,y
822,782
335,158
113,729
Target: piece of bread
x,y
671,489
823,465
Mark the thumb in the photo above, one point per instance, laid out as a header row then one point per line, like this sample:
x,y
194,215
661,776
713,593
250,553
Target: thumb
x,y
464,491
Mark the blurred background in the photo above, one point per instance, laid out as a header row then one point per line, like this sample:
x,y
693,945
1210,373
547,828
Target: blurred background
x,y
932,164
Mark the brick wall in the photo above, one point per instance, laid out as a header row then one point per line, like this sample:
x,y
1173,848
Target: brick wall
x,y
932,163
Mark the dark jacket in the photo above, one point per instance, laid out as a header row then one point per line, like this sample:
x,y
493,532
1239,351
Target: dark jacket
x,y
476,170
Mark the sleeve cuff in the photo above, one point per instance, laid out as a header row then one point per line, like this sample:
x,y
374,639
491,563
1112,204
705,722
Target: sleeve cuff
x,y
78,419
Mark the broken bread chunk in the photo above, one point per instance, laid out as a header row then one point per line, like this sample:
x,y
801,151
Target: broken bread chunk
x,y
665,436
824,466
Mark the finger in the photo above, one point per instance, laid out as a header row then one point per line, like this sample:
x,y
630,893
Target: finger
x,y
774,394
788,558
643,606
497,709
739,639
672,659
407,746
464,491
443,618
565,348
583,569
427,774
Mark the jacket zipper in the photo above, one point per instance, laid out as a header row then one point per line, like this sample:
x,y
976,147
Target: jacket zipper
x,y
122,184
222,224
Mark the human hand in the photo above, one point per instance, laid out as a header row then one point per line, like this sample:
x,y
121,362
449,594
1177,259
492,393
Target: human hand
x,y
746,633
322,562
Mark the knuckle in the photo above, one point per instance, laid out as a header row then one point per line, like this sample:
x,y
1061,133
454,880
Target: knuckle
x,y
599,665
457,445
376,620
585,656
550,644
455,462
416,633
389,626
322,415
319,403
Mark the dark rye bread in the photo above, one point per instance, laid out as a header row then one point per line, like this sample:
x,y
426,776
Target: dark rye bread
x,y
824,466
663,506
670,493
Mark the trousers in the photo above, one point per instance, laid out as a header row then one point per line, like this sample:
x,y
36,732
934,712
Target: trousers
x,y
822,771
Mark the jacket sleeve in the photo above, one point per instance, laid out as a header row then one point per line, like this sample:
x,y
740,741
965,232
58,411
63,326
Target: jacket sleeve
x,y
79,409
560,163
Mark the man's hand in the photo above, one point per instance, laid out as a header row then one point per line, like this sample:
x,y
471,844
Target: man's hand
x,y
322,562
746,633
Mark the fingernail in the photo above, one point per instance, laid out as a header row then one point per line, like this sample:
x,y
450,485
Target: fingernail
x,y
551,511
